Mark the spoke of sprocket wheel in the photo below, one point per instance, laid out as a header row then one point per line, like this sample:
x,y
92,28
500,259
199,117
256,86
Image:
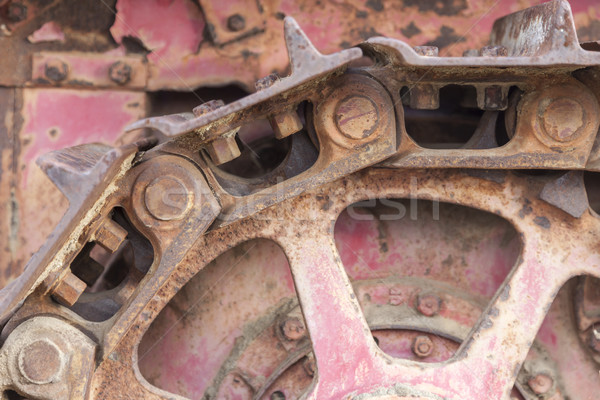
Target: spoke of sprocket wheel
x,y
342,342
495,351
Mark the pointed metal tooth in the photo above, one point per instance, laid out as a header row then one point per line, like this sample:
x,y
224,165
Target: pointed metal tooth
x,y
567,192
69,168
300,49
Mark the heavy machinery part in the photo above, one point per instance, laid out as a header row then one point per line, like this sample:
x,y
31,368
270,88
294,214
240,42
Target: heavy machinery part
x,y
144,219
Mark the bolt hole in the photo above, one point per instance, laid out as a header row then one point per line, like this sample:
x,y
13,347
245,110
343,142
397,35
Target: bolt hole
x,y
12,395
278,395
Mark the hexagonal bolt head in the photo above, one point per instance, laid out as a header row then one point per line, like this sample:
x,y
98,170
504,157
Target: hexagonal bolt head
x,y
167,199
293,328
424,97
492,98
541,383
207,107
266,82
494,51
223,150
16,12
285,124
56,70
236,23
110,235
40,362
357,117
397,296
427,51
120,73
68,290
429,304
422,346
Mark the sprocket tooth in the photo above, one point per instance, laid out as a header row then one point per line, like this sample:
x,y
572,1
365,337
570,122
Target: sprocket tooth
x,y
567,192
543,29
300,49
71,169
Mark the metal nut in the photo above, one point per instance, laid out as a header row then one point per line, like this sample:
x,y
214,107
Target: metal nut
x,y
56,70
422,346
293,328
207,107
16,12
167,199
494,51
40,362
427,51
110,235
424,97
120,73
356,117
429,304
540,383
266,81
286,123
223,150
236,23
69,289
397,296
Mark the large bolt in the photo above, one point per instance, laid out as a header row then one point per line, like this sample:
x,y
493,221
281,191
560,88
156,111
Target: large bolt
x,y
120,73
56,70
167,198
562,118
422,346
236,23
69,289
429,304
356,117
540,384
40,362
293,328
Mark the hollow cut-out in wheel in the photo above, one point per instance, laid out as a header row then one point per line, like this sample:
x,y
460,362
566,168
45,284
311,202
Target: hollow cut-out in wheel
x,y
383,295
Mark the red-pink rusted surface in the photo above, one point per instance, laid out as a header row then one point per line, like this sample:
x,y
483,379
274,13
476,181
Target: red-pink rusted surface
x,y
92,116
182,58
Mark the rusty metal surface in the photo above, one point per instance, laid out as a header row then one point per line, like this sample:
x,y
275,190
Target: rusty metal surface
x,y
329,299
